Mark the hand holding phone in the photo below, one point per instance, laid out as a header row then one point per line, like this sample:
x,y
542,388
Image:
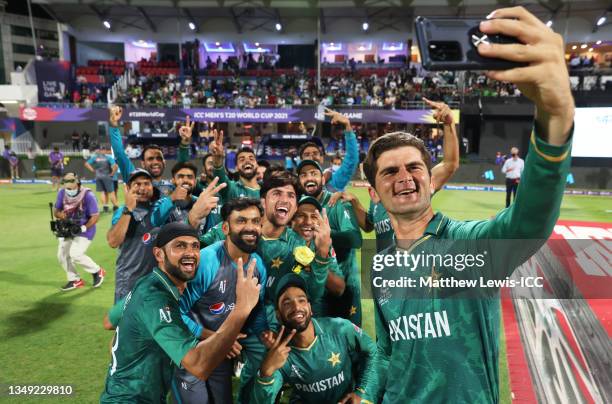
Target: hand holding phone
x,y
452,44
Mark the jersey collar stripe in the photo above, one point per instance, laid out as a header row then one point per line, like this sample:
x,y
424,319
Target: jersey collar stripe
x,y
314,341
161,278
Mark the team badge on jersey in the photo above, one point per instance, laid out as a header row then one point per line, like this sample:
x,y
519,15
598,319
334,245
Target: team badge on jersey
x,y
164,315
217,308
146,238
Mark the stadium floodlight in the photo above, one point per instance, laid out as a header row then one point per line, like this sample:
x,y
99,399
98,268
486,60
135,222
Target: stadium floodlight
x,y
257,44
583,46
278,26
549,23
192,26
107,24
598,42
217,43
365,26
574,47
601,21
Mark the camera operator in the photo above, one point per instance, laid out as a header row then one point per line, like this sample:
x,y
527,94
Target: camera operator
x,y
77,206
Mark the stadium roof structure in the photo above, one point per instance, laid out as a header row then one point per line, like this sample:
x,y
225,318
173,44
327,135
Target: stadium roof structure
x,y
245,17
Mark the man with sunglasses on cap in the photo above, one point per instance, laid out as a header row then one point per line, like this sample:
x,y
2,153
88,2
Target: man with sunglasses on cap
x,y
79,205
151,338
133,233
324,360
152,155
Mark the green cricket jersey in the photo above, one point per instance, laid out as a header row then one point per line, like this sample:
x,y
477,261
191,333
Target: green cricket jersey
x,y
436,350
377,215
234,189
339,361
346,239
320,307
212,235
150,340
278,257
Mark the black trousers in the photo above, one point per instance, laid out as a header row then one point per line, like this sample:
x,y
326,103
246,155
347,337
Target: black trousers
x,y
511,186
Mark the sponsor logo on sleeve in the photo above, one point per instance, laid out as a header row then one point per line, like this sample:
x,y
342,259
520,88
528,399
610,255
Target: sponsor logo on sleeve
x,y
217,308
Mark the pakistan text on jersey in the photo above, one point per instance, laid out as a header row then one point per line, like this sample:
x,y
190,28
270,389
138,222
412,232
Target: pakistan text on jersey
x,y
382,226
322,385
419,326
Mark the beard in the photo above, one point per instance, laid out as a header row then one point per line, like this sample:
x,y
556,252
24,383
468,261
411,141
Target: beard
x,y
247,175
294,325
237,239
176,272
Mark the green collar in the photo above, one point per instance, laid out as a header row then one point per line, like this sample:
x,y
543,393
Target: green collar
x,y
436,224
167,282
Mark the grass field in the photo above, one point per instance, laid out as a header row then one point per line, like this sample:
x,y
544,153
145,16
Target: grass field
x,y
50,337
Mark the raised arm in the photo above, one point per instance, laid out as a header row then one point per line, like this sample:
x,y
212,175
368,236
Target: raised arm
x,y
218,152
444,170
185,132
341,178
114,134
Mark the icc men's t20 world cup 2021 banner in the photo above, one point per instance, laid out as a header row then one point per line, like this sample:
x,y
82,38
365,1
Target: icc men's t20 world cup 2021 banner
x,y
225,115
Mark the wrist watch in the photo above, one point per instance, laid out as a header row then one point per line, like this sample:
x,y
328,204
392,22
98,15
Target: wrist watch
x,y
126,211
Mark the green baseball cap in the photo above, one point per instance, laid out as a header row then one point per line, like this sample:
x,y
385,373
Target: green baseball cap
x,y
287,281
310,200
308,163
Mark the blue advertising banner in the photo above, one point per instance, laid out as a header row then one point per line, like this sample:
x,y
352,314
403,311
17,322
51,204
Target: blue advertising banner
x,y
53,79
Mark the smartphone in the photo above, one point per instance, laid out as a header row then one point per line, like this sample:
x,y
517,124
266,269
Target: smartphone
x,y
451,44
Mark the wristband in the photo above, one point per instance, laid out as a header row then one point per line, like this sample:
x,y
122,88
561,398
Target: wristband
x,y
126,211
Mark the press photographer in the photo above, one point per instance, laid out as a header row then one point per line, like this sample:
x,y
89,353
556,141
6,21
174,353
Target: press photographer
x,y
76,206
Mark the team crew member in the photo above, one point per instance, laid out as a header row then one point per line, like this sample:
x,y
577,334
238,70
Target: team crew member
x,y
346,238
78,205
151,337
376,217
133,233
513,168
181,205
152,155
312,224
56,160
104,167
246,167
452,345
342,176
210,297
324,360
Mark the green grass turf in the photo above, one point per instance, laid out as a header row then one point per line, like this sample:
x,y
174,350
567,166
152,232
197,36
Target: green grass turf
x,y
50,337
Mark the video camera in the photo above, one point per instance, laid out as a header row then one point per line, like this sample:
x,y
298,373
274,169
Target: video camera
x,y
64,228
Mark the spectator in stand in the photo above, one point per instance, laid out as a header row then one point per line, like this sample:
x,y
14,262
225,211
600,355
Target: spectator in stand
x,y
85,141
56,161
76,141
